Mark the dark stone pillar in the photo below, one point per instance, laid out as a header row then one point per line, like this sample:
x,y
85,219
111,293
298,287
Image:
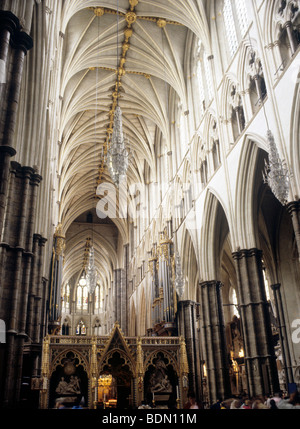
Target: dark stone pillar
x,y
38,304
120,293
213,332
260,357
16,253
14,44
293,209
189,330
32,287
120,298
285,350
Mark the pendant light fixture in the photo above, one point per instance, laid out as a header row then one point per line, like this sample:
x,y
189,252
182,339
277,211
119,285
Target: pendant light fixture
x,y
117,154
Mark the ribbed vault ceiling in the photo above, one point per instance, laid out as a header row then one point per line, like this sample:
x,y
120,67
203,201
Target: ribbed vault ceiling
x,y
145,45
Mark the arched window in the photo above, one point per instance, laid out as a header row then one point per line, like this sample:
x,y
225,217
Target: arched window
x,y
235,303
82,298
242,15
66,297
230,27
204,78
101,297
208,78
79,298
81,328
97,298
236,21
85,297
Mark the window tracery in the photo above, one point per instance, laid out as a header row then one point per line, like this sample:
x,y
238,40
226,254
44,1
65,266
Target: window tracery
x,y
82,298
236,21
66,297
81,328
230,27
204,78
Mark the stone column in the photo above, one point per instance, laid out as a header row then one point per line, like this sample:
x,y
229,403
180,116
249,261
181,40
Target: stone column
x,y
14,45
289,28
213,332
283,336
16,254
260,360
120,298
293,209
32,287
38,304
188,330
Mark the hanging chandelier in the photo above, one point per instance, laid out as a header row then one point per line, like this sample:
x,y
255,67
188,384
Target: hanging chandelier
x,y
179,280
117,154
276,173
91,274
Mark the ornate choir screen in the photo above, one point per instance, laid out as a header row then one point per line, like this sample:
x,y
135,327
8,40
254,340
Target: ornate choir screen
x,y
114,371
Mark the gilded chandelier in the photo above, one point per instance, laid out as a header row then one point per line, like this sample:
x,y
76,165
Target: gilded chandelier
x,y
276,174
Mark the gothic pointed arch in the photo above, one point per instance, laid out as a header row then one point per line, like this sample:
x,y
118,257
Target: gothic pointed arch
x,y
244,205
189,263
295,132
215,229
116,343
